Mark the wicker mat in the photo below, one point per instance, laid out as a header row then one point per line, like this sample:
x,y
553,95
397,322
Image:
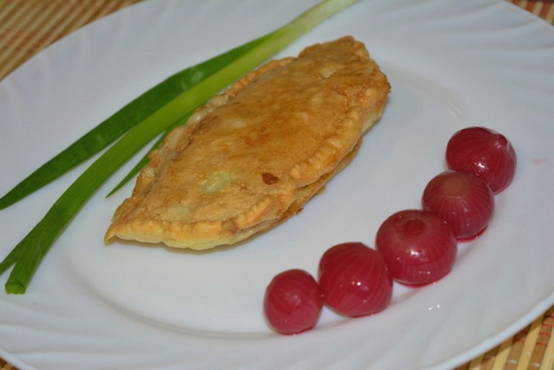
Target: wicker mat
x,y
28,26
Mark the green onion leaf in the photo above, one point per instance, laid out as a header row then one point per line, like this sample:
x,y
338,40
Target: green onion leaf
x,y
28,254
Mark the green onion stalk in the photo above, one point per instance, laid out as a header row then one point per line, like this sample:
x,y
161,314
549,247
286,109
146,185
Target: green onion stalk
x,y
156,111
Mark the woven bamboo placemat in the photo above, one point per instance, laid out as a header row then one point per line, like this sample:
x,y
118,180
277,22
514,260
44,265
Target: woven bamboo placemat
x,y
28,26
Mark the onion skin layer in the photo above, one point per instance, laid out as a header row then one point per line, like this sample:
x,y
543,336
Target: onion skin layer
x,y
355,280
293,302
465,201
485,153
418,246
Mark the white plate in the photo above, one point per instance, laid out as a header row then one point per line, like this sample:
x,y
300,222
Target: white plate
x,y
451,64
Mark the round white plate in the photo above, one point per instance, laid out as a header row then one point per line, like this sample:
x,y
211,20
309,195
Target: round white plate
x,y
451,64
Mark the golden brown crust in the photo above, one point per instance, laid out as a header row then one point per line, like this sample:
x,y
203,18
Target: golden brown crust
x,y
254,155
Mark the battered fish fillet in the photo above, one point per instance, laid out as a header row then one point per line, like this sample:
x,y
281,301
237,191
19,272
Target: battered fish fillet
x,y
255,154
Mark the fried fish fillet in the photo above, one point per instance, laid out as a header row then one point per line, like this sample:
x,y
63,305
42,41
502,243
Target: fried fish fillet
x,y
255,154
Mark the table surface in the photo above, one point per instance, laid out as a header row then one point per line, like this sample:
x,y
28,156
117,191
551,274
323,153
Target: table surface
x,y
28,26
